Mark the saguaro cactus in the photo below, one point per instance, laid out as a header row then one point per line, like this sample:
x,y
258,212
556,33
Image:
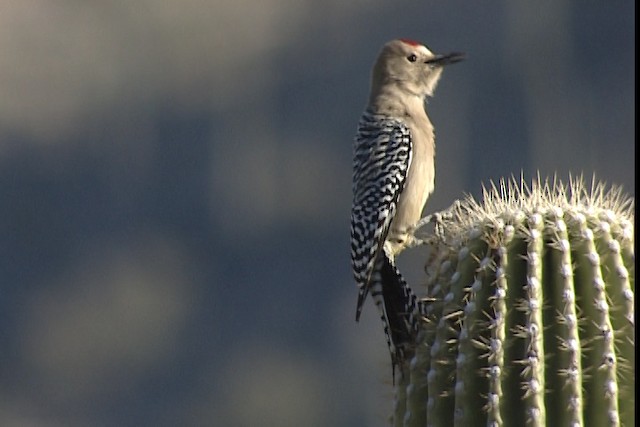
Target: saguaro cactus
x,y
529,314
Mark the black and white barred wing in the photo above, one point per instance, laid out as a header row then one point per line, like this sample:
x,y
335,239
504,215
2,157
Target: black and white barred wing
x,y
381,160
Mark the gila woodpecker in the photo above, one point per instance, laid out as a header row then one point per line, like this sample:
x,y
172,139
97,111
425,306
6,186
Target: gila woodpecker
x,y
393,175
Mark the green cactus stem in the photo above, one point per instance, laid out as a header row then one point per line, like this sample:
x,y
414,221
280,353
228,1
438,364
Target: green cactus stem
x,y
529,311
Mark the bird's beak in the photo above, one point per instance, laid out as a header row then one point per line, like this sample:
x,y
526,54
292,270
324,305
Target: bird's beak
x,y
446,59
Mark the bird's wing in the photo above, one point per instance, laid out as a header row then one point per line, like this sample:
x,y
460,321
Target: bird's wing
x,y
381,160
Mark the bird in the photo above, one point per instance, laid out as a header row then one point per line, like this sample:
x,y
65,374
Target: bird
x,y
393,176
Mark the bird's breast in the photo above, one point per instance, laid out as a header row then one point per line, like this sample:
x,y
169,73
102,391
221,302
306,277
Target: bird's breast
x,y
418,186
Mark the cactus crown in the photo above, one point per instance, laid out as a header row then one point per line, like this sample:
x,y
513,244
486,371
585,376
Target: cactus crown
x,y
509,199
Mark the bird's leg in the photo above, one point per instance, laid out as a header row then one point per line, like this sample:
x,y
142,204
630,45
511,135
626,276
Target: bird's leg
x,y
438,219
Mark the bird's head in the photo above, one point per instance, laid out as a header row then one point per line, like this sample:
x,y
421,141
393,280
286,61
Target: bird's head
x,y
411,67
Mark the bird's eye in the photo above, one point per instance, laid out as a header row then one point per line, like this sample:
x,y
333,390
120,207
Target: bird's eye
x,y
412,58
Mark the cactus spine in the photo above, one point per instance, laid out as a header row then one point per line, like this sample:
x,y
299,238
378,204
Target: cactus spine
x,y
529,315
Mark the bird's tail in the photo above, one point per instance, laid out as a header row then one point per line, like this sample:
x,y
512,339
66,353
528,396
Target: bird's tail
x,y
399,309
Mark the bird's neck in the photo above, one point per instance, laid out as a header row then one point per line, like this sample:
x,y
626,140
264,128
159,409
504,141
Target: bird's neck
x,y
397,103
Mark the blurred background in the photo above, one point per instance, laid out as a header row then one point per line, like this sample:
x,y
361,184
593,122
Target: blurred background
x,y
175,190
